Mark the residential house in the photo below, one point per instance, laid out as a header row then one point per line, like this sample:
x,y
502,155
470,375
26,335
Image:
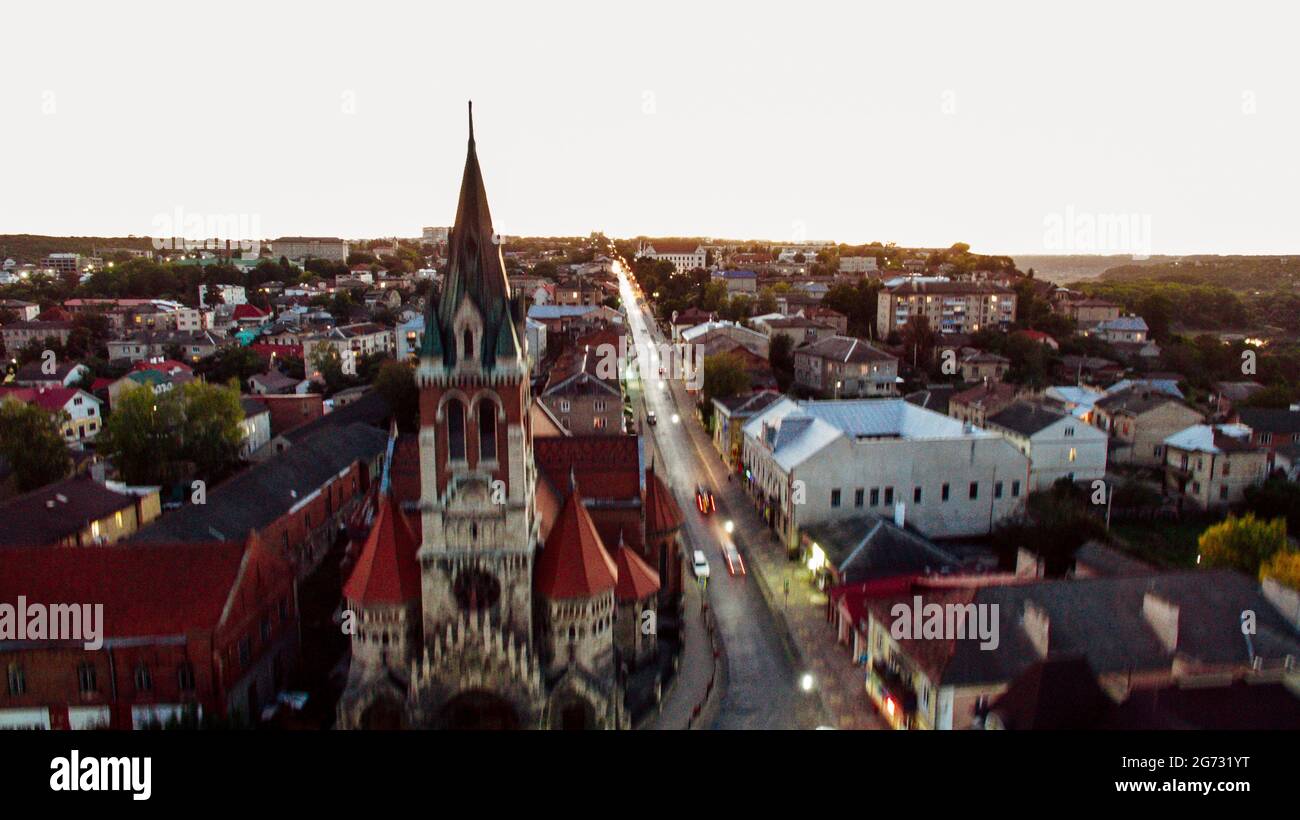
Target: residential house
x,y
78,414
800,329
729,417
1211,465
582,392
57,373
1139,420
19,335
82,511
981,366
974,405
843,367
684,255
1058,445
255,429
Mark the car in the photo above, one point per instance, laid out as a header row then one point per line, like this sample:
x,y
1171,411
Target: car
x,y
699,564
735,564
704,501
651,418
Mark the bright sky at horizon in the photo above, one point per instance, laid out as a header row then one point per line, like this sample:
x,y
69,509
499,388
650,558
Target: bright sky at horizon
x,y
1107,127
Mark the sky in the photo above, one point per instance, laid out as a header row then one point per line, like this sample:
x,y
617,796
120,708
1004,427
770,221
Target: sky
x,y
1110,127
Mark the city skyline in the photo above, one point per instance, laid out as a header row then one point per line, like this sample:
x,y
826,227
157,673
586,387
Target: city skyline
x,y
986,127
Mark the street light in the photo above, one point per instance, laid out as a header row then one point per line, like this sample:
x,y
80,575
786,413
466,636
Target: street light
x,y
806,682
676,418
730,527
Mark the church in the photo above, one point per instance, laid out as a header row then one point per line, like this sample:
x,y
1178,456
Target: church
x,y
505,577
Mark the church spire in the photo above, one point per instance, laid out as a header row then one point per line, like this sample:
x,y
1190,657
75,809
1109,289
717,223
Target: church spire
x,y
475,269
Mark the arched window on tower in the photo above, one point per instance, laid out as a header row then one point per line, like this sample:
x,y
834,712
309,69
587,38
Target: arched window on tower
x,y
455,430
468,345
487,431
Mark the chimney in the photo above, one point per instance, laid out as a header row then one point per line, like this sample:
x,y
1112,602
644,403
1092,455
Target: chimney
x,y
1037,627
1162,616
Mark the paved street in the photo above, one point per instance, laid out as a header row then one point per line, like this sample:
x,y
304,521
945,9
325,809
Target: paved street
x,y
763,671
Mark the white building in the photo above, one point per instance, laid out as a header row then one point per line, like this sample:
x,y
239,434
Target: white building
x,y
312,247
685,256
410,334
1058,445
821,461
858,264
230,294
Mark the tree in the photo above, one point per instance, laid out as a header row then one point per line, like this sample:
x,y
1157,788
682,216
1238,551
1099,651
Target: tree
x,y
1243,543
766,302
1056,523
32,445
235,362
918,341
1275,498
152,439
780,354
396,383
141,437
327,368
1283,567
724,377
213,427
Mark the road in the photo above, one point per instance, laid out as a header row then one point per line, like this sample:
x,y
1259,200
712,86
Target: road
x,y
763,684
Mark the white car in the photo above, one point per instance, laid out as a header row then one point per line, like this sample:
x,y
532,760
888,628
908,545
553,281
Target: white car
x,y
699,564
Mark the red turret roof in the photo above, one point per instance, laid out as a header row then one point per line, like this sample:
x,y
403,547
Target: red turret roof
x,y
387,571
635,578
574,563
661,511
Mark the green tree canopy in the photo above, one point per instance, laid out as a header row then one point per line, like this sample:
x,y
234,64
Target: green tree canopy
x,y
32,445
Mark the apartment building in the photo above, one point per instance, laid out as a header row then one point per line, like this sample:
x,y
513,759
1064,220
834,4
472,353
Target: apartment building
x,y
312,247
1139,420
948,307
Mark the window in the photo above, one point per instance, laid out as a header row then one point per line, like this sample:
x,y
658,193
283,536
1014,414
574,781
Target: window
x,y
17,680
598,405
1265,438
1223,493
455,430
1074,453
86,679
943,493
875,496
916,495
835,498
1225,467
974,490
1155,451
1069,432
599,423
468,344
857,497
487,431
889,496
1015,489
564,405
185,676
143,680
997,489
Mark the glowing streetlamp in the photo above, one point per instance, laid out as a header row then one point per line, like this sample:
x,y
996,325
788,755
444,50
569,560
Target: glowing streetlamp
x,y
806,682
730,527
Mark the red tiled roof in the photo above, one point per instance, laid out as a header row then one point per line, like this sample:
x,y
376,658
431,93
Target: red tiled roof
x,y
635,578
574,563
247,311
51,399
164,365
387,571
609,466
146,589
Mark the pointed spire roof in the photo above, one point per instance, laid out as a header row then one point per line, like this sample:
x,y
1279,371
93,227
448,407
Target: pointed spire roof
x,y
574,562
636,581
661,511
474,265
387,571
